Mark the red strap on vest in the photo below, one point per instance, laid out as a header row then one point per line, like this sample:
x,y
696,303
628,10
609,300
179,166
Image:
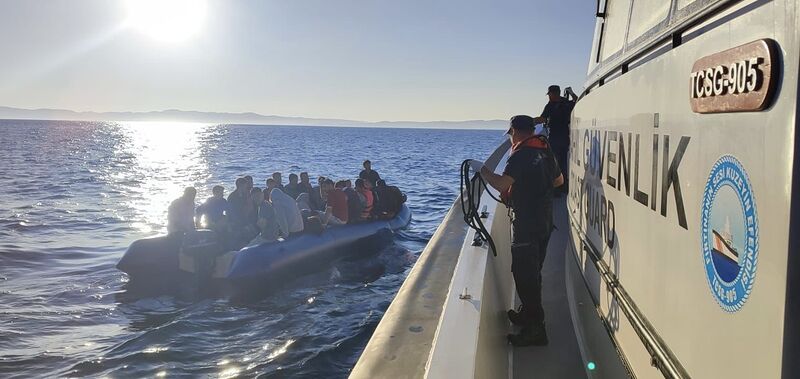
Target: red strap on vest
x,y
538,142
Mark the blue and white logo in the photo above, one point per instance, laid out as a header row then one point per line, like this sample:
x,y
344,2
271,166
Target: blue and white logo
x,y
729,227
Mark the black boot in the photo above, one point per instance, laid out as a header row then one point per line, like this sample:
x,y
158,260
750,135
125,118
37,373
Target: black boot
x,y
529,336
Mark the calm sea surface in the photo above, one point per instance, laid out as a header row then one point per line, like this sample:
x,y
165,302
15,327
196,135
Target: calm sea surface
x,y
73,195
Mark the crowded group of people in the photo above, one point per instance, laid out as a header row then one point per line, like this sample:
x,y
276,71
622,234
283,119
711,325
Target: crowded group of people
x,y
284,211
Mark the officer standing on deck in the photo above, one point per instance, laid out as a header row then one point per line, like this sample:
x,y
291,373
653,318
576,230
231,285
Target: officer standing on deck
x,y
557,114
527,186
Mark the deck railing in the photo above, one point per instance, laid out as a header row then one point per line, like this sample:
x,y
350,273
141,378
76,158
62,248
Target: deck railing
x,y
402,342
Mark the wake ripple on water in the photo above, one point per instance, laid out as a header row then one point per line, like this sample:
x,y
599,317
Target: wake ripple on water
x,y
77,193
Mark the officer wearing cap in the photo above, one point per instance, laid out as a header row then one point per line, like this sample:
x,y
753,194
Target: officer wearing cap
x,y
557,115
527,185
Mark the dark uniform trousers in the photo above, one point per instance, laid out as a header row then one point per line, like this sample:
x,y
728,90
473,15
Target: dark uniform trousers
x,y
528,251
560,147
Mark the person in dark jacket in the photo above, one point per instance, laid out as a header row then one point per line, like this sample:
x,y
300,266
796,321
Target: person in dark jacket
x,y
557,114
527,185
354,202
369,174
316,195
213,209
237,203
305,183
278,180
390,200
255,199
267,224
293,188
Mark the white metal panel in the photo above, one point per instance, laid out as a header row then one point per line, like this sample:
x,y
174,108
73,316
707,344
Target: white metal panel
x,y
454,353
658,261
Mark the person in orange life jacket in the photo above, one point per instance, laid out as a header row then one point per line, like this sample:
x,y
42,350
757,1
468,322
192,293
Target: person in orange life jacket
x,y
527,185
335,200
365,192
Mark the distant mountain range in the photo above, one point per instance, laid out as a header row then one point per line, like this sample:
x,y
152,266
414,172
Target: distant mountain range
x,y
232,118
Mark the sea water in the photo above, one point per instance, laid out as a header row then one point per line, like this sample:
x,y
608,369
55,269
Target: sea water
x,y
74,195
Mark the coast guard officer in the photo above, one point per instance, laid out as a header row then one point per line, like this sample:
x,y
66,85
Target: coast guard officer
x,y
557,113
527,186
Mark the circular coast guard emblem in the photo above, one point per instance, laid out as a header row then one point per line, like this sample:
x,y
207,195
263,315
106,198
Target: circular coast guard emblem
x,y
729,227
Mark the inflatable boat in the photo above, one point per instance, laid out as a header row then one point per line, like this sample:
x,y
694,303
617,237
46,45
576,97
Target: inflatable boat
x,y
198,255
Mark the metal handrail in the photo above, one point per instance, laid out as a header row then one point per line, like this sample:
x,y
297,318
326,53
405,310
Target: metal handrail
x,y
660,355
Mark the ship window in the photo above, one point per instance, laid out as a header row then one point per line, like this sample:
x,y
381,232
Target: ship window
x,y
646,14
685,9
615,24
598,30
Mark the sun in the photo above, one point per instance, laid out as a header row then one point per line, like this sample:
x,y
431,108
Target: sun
x,y
167,20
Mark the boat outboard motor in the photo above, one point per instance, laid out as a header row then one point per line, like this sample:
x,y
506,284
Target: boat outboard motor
x,y
198,253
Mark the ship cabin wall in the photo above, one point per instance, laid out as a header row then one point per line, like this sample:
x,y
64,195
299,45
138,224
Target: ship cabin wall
x,y
645,173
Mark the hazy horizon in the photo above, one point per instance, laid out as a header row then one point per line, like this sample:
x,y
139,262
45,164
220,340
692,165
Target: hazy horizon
x,y
2,106
383,60
196,117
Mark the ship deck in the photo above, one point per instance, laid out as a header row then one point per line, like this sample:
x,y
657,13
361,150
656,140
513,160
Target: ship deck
x,y
431,331
562,357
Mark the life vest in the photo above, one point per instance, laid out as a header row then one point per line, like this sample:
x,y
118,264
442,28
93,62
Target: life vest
x,y
536,142
370,202
337,200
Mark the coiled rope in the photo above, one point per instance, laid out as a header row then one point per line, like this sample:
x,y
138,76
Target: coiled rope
x,y
471,203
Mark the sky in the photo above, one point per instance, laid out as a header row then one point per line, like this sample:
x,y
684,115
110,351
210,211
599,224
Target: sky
x,y
368,60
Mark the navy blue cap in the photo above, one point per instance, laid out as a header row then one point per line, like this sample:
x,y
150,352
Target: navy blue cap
x,y
522,122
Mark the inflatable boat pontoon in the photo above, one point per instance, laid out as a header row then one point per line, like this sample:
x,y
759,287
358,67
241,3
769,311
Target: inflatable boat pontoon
x,y
198,255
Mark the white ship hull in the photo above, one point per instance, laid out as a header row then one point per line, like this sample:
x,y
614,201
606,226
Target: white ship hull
x,y
632,205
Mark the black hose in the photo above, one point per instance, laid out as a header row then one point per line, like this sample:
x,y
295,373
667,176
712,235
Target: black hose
x,y
471,203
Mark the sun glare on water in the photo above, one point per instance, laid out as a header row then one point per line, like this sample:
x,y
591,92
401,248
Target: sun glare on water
x,y
167,20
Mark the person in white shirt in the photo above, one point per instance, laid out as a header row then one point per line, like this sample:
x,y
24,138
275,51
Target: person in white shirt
x,y
180,215
287,214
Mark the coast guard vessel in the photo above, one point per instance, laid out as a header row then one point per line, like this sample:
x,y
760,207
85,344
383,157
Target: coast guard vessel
x,y
677,249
